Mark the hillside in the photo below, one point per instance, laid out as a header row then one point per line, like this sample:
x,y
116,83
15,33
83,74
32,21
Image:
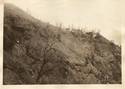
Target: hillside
x,y
40,53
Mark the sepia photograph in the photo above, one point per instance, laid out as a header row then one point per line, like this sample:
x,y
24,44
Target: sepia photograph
x,y
62,42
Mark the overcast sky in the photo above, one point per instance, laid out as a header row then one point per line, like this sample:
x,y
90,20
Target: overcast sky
x,y
101,14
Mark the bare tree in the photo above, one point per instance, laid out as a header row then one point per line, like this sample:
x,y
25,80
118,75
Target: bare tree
x,y
46,50
49,46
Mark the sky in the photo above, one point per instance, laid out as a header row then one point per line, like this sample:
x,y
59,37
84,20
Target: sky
x,y
104,15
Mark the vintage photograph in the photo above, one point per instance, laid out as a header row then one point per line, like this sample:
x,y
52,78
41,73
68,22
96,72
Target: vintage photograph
x,y
61,42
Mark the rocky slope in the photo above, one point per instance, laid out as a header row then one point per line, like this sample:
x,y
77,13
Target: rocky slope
x,y
40,53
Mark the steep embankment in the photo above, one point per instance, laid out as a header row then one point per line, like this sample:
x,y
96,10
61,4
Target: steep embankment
x,y
37,52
